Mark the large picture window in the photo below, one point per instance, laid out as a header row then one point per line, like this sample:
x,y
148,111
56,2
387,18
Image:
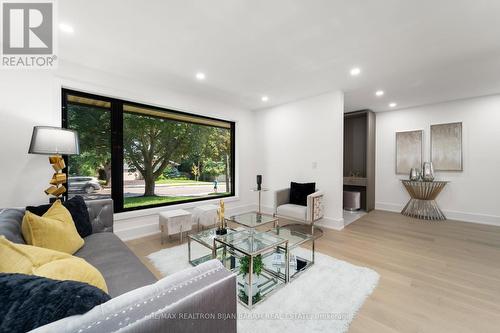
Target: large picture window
x,y
144,156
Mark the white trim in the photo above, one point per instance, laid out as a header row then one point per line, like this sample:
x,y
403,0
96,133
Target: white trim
x,y
147,224
450,214
325,222
331,223
153,211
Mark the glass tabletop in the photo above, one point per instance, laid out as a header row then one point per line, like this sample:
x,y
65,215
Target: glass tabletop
x,y
294,238
251,242
206,237
252,219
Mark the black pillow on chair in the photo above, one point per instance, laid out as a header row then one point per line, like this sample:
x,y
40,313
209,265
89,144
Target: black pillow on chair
x,y
78,210
300,191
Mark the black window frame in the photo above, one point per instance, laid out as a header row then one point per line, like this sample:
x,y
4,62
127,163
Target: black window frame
x,y
117,147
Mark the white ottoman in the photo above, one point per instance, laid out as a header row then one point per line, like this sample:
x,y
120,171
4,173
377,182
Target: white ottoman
x,y
205,215
174,222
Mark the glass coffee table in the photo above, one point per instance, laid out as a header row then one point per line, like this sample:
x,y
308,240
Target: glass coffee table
x,y
249,248
253,220
206,239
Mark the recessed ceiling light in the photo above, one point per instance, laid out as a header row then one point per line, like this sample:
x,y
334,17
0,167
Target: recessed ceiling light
x,y
355,71
66,28
379,93
264,98
393,105
200,76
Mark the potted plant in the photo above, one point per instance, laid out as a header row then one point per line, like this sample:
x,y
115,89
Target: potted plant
x,y
257,269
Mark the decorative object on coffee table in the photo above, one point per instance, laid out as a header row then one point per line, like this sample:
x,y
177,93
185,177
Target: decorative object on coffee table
x,y
422,204
55,141
427,172
221,223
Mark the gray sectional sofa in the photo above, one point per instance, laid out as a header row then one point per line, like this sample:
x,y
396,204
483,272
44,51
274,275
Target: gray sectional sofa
x,y
200,299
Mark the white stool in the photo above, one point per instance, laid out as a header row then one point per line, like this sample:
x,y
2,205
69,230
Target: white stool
x,y
174,222
206,215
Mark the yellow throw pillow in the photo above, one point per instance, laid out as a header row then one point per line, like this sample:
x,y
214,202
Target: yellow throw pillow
x,y
72,268
27,259
21,258
53,230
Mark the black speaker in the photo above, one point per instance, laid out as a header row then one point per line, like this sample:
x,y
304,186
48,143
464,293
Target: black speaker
x,y
259,182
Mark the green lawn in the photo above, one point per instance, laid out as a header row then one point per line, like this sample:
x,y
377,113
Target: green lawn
x,y
132,202
181,182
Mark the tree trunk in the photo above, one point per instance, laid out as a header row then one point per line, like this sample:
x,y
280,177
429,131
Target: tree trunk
x,y
227,173
149,180
107,170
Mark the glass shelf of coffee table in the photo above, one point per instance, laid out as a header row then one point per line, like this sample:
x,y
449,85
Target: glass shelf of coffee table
x,y
206,239
298,263
253,219
251,244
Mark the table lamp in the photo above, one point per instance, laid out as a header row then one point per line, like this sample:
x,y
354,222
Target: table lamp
x,y
55,141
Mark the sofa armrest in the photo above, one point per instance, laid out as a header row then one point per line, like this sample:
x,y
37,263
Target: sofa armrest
x,y
101,215
315,209
281,197
198,299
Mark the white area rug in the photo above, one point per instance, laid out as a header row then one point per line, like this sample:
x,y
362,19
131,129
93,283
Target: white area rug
x,y
325,298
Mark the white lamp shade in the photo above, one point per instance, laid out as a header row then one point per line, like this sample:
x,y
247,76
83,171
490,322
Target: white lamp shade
x,y
48,140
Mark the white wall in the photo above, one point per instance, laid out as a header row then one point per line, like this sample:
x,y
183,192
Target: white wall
x,y
303,142
472,194
33,97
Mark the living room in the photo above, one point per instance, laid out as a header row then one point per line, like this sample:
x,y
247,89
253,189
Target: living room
x,y
182,166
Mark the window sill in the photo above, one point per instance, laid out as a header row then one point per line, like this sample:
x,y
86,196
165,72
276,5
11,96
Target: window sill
x,y
156,210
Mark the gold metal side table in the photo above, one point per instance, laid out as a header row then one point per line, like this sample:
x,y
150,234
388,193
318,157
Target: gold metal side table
x,y
422,204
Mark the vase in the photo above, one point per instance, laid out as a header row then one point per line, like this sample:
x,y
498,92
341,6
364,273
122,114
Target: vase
x,y
428,172
414,174
255,284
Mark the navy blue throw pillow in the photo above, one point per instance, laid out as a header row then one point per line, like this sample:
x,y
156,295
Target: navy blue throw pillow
x,y
78,210
299,192
29,301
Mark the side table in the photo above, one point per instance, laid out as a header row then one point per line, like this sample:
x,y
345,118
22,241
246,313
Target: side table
x,y
422,204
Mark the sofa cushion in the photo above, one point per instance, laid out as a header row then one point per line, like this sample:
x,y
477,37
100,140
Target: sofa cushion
x,y
299,192
27,259
121,269
78,210
28,302
297,212
10,224
54,230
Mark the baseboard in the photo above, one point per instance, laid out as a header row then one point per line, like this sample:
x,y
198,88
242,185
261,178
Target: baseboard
x,y
325,222
450,214
138,227
330,223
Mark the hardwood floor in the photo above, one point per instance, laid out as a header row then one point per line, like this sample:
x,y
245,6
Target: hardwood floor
x,y
435,276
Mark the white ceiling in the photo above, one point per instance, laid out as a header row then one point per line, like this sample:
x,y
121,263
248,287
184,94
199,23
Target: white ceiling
x,y
419,52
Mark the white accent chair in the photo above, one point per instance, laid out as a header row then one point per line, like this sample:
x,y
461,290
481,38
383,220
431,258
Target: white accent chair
x,y
305,214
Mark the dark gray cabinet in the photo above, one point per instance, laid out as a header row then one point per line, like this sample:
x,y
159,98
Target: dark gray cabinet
x,y
359,156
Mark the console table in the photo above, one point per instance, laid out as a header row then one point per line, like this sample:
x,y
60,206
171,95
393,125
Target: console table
x,y
422,204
